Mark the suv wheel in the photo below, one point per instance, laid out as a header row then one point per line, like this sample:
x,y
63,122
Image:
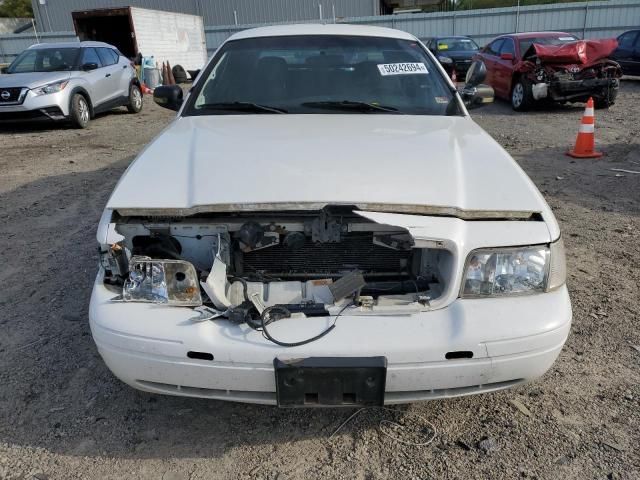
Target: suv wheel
x,y
521,96
80,112
135,99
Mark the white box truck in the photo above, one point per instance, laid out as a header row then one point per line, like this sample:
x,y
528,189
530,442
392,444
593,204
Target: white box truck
x,y
174,37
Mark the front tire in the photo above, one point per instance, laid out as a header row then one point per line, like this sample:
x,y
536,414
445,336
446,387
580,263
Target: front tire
x,y
521,95
135,99
80,111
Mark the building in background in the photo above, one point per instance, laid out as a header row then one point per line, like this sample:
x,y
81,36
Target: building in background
x,y
55,15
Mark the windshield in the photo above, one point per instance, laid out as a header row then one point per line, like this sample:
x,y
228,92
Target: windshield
x,y
322,74
45,60
457,45
561,40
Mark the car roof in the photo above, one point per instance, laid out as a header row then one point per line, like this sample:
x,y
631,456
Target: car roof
x,y
451,36
526,35
322,29
71,45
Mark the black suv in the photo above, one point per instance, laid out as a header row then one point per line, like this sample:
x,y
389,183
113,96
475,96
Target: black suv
x,y
628,52
453,52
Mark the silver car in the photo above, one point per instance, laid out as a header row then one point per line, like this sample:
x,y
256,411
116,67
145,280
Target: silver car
x,y
68,82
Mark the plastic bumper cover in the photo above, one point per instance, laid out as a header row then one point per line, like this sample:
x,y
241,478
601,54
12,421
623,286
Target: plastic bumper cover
x,y
512,340
49,106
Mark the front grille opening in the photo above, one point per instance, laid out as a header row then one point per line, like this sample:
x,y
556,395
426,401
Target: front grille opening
x,y
324,260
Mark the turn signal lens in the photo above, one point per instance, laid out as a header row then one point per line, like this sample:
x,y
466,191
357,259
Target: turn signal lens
x,y
558,266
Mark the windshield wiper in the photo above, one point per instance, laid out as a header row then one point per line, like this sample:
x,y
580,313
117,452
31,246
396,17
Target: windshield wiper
x,y
351,105
242,107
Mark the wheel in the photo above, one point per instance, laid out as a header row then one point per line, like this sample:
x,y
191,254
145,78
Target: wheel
x,y
135,99
521,96
80,112
608,99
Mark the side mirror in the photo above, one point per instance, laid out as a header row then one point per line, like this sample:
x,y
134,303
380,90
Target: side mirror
x,y
474,94
169,96
89,66
4,69
507,56
476,74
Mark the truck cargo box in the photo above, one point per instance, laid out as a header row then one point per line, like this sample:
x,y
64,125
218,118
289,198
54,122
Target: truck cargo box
x,y
174,37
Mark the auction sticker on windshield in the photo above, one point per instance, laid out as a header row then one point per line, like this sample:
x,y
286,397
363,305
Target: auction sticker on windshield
x,y
402,68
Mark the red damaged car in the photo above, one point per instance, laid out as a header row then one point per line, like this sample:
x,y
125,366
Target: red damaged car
x,y
556,66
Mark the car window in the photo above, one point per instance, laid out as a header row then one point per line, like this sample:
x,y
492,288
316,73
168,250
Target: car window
x,y
526,43
508,46
457,44
45,60
107,56
494,47
89,55
626,40
298,73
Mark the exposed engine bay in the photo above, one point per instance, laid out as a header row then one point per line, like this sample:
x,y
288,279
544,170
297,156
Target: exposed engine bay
x,y
282,263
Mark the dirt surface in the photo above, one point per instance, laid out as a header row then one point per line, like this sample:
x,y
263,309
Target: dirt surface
x,y
63,415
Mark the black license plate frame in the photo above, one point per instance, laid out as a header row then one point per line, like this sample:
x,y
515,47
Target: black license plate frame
x,y
330,382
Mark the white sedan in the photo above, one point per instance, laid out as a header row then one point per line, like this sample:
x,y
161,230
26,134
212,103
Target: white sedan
x,y
324,224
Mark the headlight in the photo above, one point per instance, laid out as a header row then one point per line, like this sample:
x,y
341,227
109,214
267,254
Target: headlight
x,y
443,59
172,282
493,272
50,88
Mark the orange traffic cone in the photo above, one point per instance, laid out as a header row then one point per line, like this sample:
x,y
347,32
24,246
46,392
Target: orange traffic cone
x,y
585,142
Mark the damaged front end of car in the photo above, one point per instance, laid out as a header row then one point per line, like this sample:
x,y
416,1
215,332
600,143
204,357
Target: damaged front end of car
x,y
572,72
240,265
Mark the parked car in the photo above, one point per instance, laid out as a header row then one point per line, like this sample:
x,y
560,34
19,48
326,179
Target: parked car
x,y
68,82
454,53
527,67
324,224
628,52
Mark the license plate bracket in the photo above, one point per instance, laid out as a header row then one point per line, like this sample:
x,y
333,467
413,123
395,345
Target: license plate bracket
x,y
330,381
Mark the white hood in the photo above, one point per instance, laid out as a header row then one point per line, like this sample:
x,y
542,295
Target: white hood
x,y
238,161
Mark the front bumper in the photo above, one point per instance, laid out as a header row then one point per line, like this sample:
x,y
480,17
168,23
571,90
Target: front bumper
x,y
54,106
567,89
512,339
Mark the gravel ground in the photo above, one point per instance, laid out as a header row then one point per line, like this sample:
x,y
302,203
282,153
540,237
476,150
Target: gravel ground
x,y
63,415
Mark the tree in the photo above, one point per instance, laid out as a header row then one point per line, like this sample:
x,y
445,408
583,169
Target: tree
x,y
16,8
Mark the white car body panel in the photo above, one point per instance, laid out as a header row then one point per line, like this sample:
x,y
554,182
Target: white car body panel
x,y
429,175
513,340
327,159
